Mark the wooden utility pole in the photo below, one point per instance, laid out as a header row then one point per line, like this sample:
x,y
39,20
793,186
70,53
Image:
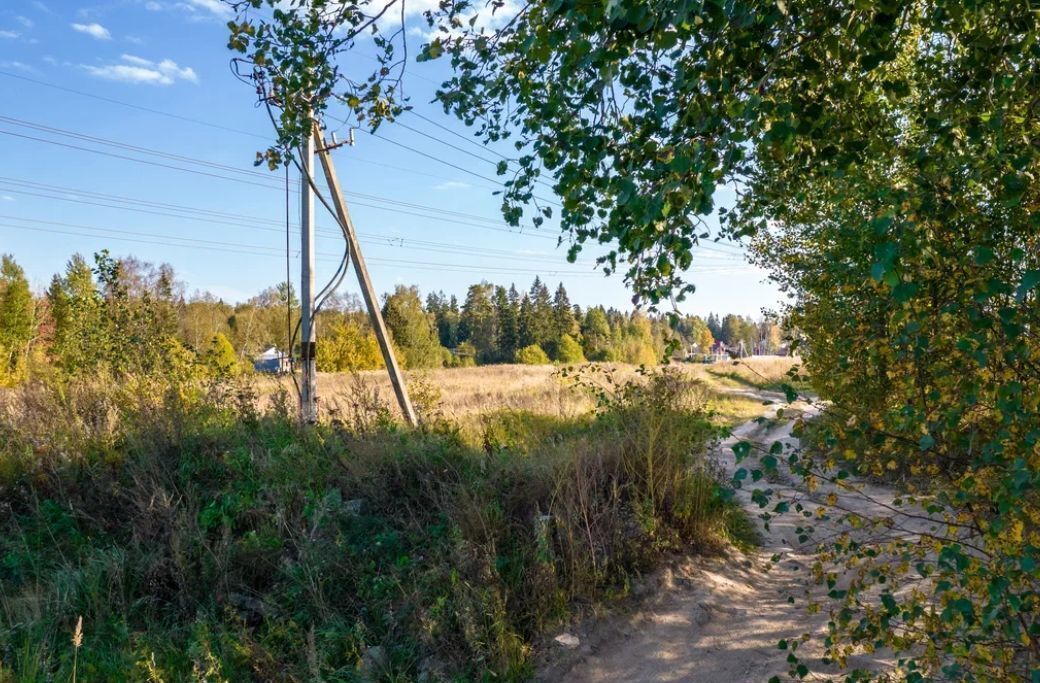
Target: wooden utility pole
x,y
367,290
308,388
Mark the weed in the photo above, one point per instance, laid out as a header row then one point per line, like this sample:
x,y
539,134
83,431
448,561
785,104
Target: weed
x,y
202,538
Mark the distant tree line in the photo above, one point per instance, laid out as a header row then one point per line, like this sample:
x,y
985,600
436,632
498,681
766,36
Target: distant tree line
x,y
130,316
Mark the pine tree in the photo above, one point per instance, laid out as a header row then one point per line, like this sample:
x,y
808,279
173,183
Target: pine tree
x,y
526,327
541,321
478,323
564,322
714,326
446,317
508,324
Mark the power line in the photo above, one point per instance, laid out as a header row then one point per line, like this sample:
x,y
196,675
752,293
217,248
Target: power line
x,y
448,130
455,166
131,105
239,171
190,119
255,250
718,247
205,215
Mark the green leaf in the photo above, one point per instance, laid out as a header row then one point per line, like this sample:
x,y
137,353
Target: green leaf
x,y
1030,280
741,449
983,255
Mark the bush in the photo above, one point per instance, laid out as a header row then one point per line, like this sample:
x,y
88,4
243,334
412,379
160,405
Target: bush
x,y
532,355
220,358
569,351
465,355
195,534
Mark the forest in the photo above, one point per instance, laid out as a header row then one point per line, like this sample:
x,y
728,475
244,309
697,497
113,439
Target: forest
x,y
92,311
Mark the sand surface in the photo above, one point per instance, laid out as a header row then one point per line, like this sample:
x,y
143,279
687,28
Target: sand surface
x,y
719,619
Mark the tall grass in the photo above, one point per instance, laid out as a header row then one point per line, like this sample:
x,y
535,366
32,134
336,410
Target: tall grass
x,y
201,538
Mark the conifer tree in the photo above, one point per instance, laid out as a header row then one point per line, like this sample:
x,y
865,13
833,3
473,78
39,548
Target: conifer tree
x,y
508,324
478,323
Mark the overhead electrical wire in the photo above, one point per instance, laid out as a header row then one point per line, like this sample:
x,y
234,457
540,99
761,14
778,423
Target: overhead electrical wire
x,y
376,240
254,250
722,248
251,222
262,178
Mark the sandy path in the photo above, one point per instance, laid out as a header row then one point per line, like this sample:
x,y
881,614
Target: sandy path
x,y
719,619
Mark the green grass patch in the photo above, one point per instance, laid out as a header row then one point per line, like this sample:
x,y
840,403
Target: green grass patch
x,y
200,539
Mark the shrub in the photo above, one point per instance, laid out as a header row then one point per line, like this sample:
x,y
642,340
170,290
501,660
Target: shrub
x,y
220,358
196,534
532,355
465,355
569,351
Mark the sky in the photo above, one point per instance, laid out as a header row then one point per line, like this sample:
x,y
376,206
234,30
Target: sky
x,y
123,128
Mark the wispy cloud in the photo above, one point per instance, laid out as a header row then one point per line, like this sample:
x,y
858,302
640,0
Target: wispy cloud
x,y
6,198
25,21
195,10
138,70
94,30
15,64
452,185
10,35
215,7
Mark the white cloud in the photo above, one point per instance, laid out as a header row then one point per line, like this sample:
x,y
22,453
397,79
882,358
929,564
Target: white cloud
x,y
192,10
418,7
6,197
94,30
134,40
9,34
25,21
136,61
143,71
452,185
21,66
483,19
215,7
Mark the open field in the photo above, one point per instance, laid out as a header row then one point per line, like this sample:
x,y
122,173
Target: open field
x,y
194,530
463,394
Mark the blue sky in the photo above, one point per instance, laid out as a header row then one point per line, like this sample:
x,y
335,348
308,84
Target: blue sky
x,y
121,127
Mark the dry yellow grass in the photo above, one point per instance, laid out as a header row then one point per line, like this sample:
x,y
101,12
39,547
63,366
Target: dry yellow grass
x,y
463,394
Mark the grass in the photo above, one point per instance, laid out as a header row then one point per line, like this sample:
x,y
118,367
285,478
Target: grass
x,y
201,534
764,373
465,395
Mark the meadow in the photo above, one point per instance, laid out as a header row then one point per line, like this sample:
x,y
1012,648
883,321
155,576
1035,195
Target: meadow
x,y
194,530
464,394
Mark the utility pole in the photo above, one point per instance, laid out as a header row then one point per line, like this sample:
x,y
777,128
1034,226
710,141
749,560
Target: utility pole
x,y
367,290
308,388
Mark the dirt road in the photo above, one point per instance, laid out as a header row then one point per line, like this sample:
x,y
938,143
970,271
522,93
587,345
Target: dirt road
x,y
719,619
